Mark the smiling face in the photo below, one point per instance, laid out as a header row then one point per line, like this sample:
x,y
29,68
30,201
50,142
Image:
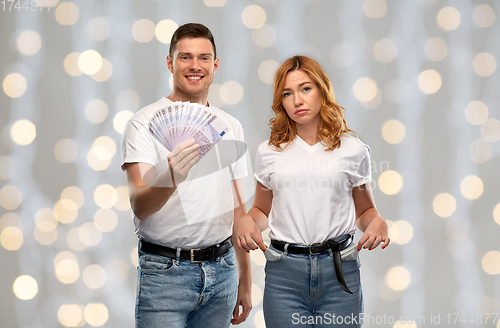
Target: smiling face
x,y
193,66
301,99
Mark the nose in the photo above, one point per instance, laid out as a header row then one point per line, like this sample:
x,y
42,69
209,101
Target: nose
x,y
297,100
195,65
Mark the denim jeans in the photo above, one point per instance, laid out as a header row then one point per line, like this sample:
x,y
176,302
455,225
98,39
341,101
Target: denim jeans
x,y
176,293
302,291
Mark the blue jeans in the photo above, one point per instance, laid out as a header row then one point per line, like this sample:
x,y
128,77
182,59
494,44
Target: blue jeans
x,y
302,291
176,293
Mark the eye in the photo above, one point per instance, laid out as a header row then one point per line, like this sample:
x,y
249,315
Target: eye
x,y
205,59
286,94
306,89
184,57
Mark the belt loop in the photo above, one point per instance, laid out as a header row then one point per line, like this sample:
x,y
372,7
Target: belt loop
x,y
178,256
285,250
330,252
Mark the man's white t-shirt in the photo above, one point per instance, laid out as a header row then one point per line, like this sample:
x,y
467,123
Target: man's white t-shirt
x,y
200,212
312,188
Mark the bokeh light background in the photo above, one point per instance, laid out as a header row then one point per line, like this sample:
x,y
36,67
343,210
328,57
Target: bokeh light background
x,y
420,84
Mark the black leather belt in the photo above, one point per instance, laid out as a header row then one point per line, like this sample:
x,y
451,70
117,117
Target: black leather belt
x,y
315,249
195,255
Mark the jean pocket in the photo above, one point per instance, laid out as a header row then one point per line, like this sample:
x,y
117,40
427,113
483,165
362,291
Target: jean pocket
x,y
272,255
350,253
150,264
228,260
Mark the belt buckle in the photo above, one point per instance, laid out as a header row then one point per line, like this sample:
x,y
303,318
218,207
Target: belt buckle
x,y
314,249
191,255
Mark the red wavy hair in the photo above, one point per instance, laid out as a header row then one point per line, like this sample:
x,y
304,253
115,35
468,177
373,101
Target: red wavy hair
x,y
332,124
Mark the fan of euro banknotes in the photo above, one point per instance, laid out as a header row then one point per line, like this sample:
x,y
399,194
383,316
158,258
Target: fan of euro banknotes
x,y
182,121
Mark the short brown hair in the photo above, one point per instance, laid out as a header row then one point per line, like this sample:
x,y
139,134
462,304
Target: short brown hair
x,y
191,30
333,124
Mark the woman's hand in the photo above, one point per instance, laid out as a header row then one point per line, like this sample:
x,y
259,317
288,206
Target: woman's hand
x,y
375,233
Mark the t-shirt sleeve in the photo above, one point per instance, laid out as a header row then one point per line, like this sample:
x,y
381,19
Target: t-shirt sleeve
x,y
239,167
137,144
362,174
262,172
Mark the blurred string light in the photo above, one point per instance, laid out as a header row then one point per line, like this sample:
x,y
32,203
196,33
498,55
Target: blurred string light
x,y
67,13
96,314
10,197
65,150
483,15
96,111
471,187
66,267
94,276
98,29
29,43
491,262
429,81
444,205
258,319
266,71
480,151
476,112
90,62
120,120
23,132
401,232
398,278
143,30
484,64
105,196
435,49
214,3
496,213
231,92
71,64
253,17
390,182
490,130
214,95
393,131
256,295
25,287
11,238
448,18
165,29
70,315
374,8
104,73
46,226
106,219
265,36
365,89
385,51
14,85
123,200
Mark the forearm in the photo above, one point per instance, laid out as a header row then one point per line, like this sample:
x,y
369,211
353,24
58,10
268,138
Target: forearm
x,y
146,200
260,219
367,217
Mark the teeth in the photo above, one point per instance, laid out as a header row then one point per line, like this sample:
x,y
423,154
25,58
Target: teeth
x,y
194,77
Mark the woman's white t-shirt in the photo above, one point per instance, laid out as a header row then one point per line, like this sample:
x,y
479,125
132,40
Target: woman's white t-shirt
x,y
312,188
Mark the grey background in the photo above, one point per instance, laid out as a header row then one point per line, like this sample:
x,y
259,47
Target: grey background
x,y
446,277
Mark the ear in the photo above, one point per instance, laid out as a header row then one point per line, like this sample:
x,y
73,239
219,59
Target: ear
x,y
216,64
170,64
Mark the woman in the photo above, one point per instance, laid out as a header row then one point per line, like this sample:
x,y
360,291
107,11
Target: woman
x,y
312,191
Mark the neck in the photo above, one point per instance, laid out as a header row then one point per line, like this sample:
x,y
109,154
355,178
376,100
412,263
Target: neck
x,y
308,134
178,95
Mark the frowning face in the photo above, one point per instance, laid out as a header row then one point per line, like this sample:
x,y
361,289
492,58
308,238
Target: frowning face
x,y
301,99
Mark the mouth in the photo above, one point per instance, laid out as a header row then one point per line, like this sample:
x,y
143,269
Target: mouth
x,y
301,111
194,78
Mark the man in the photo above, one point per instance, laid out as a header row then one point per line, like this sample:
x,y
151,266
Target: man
x,y
183,210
